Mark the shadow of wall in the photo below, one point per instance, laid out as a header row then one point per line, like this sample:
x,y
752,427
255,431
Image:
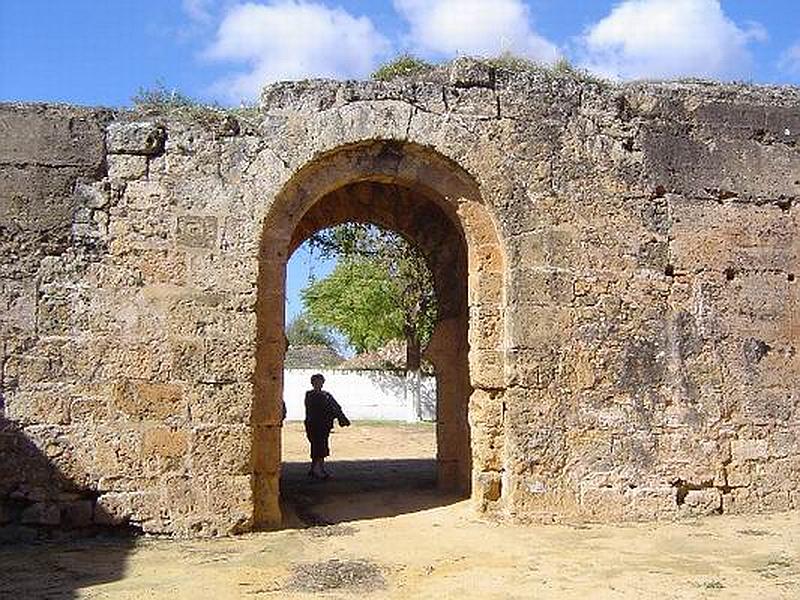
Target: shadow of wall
x,y
359,490
54,537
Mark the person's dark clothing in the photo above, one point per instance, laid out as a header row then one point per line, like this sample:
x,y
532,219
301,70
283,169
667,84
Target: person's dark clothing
x,y
321,411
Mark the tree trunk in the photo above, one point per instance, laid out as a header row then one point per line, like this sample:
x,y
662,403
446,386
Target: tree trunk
x,y
413,354
413,374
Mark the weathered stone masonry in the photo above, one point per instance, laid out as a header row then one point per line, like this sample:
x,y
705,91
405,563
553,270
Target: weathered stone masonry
x,y
617,268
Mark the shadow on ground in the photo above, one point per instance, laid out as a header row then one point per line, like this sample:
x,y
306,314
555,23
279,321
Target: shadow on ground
x,y
47,521
58,569
359,489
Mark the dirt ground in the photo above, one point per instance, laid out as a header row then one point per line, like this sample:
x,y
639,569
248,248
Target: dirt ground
x,y
379,529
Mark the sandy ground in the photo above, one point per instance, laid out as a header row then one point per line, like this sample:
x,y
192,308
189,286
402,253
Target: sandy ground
x,y
392,536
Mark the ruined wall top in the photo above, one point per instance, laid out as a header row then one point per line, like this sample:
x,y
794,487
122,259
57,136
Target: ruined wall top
x,y
564,89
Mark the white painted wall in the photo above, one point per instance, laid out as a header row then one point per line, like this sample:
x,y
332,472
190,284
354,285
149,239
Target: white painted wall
x,y
373,395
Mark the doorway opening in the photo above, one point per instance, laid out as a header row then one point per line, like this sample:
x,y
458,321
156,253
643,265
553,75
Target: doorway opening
x,y
362,317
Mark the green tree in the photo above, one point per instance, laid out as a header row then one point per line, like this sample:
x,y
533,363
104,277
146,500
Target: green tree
x,y
303,330
381,289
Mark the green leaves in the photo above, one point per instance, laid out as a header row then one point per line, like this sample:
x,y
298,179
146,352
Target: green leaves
x,y
404,65
306,331
380,290
359,299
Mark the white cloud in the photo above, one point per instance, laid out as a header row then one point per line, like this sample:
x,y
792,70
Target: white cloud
x,y
197,10
293,39
790,59
669,38
477,27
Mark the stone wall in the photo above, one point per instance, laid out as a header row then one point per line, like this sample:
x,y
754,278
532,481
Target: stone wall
x,y
633,305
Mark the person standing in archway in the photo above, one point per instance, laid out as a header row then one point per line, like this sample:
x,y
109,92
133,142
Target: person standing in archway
x,y
321,411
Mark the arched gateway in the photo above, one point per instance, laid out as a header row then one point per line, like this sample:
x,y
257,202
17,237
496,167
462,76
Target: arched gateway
x,y
616,268
434,203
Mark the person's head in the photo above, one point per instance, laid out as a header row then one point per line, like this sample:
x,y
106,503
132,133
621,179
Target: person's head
x,y
317,380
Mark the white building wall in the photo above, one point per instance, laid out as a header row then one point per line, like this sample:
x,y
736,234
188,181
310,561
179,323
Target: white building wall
x,y
363,395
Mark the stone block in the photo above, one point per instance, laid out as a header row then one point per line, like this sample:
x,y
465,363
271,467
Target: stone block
x,y
776,501
228,361
150,401
544,248
141,195
532,326
266,449
650,502
18,301
220,404
488,486
763,405
123,508
267,398
466,72
711,236
41,513
583,374
486,408
165,443
53,135
187,359
778,475
487,369
689,164
485,326
485,287
487,448
158,266
702,502
55,315
740,501
76,514
186,499
222,449
602,503
222,272
90,403
486,430
197,231
784,443
124,167
142,138
91,195
542,287
239,236
116,454
43,406
266,507
537,367
474,102
747,450
231,501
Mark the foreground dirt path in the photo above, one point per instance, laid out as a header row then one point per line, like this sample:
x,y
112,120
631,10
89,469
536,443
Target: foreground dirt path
x,y
439,551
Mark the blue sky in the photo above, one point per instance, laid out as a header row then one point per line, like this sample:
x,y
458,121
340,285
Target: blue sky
x,y
101,52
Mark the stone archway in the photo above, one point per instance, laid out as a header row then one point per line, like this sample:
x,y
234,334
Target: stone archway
x,y
436,204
